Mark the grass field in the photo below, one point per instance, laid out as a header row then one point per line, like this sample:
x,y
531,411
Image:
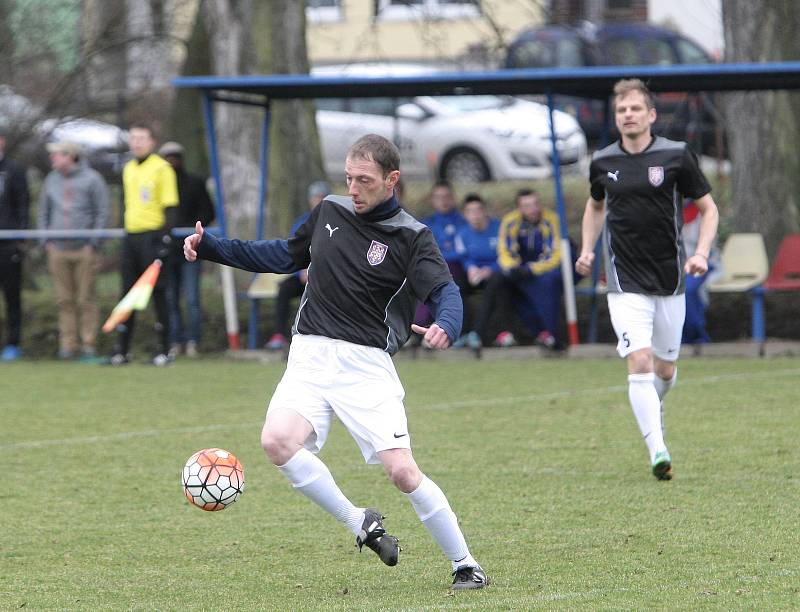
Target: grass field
x,y
541,460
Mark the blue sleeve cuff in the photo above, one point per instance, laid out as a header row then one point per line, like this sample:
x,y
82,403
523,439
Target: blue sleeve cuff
x,y
447,309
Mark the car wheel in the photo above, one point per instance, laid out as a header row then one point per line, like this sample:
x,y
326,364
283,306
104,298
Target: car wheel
x,y
465,166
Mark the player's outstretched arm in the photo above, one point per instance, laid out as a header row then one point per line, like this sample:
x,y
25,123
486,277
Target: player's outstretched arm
x,y
192,241
250,255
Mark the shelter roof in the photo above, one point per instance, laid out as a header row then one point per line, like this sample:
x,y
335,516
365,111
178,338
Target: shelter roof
x,y
590,82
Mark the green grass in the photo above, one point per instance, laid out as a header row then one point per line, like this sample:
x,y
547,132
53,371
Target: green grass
x,y
541,460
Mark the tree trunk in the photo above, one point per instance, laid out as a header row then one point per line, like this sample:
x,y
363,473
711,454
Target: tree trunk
x,y
6,43
763,126
186,124
148,66
228,22
295,160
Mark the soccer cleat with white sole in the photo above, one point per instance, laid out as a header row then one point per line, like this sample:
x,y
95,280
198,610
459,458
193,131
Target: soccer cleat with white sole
x,y
374,536
662,465
469,577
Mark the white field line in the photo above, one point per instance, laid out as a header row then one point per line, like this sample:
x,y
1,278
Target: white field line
x,y
127,435
477,402
494,401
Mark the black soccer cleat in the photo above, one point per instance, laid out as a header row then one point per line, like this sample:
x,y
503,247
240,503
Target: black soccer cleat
x,y
469,577
374,536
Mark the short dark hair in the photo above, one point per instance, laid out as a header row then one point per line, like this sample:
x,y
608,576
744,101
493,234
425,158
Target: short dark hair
x,y
525,191
139,125
378,149
473,197
625,86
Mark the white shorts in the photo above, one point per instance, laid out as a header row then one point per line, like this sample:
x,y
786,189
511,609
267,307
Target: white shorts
x,y
358,384
648,321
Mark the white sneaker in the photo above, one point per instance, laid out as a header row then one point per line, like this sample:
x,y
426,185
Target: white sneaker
x,y
161,360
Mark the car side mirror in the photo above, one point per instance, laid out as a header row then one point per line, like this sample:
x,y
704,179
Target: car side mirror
x,y
411,111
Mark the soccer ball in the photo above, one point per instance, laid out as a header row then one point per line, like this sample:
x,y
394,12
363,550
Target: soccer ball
x,y
212,479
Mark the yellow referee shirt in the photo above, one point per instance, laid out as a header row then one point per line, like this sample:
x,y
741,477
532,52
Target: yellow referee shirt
x,y
149,187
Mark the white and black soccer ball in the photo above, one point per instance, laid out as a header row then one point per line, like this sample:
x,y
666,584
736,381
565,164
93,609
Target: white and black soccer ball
x,y
212,479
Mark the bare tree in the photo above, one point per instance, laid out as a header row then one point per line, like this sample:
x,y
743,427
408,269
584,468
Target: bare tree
x,y
229,25
295,159
763,126
92,58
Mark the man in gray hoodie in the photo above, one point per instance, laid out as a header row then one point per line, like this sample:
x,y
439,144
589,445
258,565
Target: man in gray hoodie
x,y
73,197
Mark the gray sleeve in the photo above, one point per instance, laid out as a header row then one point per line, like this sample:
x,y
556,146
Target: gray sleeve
x,y
100,195
43,210
42,214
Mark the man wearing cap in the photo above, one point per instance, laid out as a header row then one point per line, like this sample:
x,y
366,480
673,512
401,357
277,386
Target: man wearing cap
x,y
73,197
294,286
14,204
183,277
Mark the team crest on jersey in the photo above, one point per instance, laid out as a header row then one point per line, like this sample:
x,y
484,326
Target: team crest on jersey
x,y
655,174
376,253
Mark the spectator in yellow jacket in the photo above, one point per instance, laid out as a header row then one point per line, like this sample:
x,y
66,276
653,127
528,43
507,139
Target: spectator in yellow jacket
x,y
529,254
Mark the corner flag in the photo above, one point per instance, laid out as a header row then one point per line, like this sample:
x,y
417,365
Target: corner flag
x,y
136,299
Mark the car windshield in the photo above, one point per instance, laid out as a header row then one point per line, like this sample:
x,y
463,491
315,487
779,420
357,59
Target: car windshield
x,y
548,53
473,103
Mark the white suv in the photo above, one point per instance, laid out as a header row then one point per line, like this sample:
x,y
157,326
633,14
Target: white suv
x,y
469,138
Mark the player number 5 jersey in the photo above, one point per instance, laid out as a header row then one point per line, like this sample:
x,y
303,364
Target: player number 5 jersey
x,y
644,213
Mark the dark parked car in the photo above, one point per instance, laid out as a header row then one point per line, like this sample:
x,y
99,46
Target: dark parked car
x,y
689,117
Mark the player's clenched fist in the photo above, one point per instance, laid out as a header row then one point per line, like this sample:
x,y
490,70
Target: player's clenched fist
x,y
583,265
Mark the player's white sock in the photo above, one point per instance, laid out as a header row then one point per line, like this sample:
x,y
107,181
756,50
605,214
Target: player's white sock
x,y
434,511
647,408
309,475
663,386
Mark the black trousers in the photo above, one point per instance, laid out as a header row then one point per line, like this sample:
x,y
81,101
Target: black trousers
x,y
288,289
496,301
138,252
11,282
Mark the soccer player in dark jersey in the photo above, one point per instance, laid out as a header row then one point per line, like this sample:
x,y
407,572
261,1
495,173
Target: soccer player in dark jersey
x,y
637,190
368,263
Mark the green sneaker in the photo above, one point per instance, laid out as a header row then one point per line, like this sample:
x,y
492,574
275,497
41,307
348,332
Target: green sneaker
x,y
662,465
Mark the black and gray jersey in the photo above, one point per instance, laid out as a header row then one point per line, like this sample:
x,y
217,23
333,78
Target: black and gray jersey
x,y
365,275
644,213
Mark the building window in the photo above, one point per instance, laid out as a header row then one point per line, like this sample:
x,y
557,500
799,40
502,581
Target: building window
x,y
323,11
426,9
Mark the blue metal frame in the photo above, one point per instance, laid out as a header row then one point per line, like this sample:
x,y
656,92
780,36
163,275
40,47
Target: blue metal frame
x,y
562,214
211,135
252,326
591,82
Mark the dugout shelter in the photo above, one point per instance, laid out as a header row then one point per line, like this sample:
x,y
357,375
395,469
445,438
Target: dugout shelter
x,y
587,82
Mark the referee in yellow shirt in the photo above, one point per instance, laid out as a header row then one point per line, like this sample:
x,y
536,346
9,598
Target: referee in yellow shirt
x,y
151,207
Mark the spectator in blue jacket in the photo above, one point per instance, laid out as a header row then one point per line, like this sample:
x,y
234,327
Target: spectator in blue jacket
x,y
444,223
476,245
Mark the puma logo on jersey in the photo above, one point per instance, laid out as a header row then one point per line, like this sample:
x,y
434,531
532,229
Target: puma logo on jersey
x,y
330,229
614,176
